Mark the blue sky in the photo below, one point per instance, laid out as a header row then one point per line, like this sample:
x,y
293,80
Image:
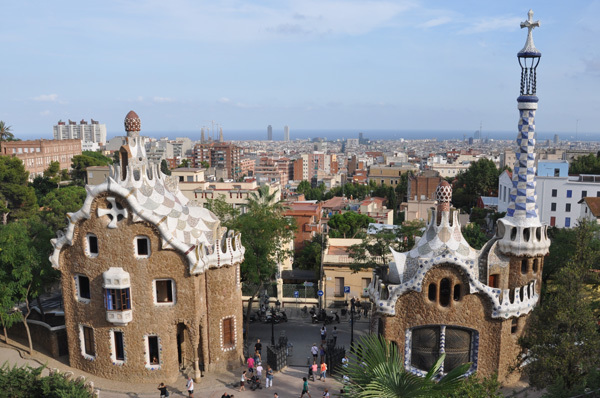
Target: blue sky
x,y
310,64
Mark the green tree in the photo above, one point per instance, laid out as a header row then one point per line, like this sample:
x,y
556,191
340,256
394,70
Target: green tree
x,y
474,236
104,160
26,381
588,164
561,344
402,187
57,203
409,231
309,257
5,132
480,179
164,167
477,387
266,233
80,163
380,373
17,199
23,266
348,224
184,163
222,209
374,250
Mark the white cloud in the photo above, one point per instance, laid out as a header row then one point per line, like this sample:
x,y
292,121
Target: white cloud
x,y
224,100
163,99
45,113
435,22
491,24
46,98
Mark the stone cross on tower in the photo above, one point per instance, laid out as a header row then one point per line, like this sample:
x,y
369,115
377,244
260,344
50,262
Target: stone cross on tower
x,y
530,24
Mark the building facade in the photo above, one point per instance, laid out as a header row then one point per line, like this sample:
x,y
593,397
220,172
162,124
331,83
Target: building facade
x,y
37,154
93,132
225,156
445,297
150,281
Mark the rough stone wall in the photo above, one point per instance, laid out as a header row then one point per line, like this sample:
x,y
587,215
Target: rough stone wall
x,y
51,342
224,299
116,249
497,345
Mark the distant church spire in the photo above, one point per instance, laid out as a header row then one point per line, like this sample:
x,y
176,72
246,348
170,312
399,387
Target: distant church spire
x,y
521,231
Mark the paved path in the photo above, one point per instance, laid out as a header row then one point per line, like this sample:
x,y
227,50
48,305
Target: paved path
x,y
287,383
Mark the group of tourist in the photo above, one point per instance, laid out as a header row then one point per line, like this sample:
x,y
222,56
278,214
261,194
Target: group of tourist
x,y
255,368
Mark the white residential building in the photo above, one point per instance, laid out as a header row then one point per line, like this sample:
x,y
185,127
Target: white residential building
x,y
557,197
93,132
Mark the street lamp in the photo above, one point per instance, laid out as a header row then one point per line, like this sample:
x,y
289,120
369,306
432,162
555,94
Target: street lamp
x,y
351,329
272,327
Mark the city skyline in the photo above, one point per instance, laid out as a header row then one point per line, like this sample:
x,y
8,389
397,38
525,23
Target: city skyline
x,y
358,65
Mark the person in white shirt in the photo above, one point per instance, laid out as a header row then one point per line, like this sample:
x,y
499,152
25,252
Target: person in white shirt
x,y
190,386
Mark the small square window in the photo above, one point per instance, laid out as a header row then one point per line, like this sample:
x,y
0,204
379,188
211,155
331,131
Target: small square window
x,y
568,207
83,287
569,193
554,193
228,333
583,194
92,245
117,299
142,246
164,291
567,221
552,206
152,352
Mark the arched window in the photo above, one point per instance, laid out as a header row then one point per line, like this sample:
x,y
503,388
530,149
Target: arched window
x,y
524,266
445,292
426,347
432,294
457,292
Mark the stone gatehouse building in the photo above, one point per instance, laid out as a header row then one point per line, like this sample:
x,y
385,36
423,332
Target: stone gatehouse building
x,y
150,279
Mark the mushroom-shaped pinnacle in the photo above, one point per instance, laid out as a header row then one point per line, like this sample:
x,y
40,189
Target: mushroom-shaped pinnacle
x,y
132,124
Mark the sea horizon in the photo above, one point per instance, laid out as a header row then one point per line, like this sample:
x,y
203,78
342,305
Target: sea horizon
x,y
375,134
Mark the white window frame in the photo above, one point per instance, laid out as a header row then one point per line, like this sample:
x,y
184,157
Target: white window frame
x,y
147,352
82,343
113,348
78,289
155,293
135,246
88,252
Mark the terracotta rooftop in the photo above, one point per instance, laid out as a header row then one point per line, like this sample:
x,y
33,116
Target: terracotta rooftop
x,y
594,204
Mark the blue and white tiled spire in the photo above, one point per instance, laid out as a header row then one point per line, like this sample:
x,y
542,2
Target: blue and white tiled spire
x,y
521,233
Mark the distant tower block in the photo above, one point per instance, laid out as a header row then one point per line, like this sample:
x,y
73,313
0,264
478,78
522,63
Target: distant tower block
x,y
286,133
221,134
202,135
270,132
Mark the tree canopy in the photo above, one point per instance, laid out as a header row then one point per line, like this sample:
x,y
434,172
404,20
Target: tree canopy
x,y
588,164
266,234
309,257
57,203
561,344
80,163
480,179
474,236
164,167
5,132
28,382
348,224
17,199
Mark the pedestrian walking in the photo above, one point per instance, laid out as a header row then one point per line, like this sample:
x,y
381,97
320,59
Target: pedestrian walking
x,y
269,376
322,353
334,334
314,350
242,381
163,390
305,388
250,365
190,387
257,357
275,395
323,334
314,370
258,347
323,371
326,393
259,370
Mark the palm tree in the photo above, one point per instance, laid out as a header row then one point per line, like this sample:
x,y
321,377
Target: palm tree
x,y
5,133
379,373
